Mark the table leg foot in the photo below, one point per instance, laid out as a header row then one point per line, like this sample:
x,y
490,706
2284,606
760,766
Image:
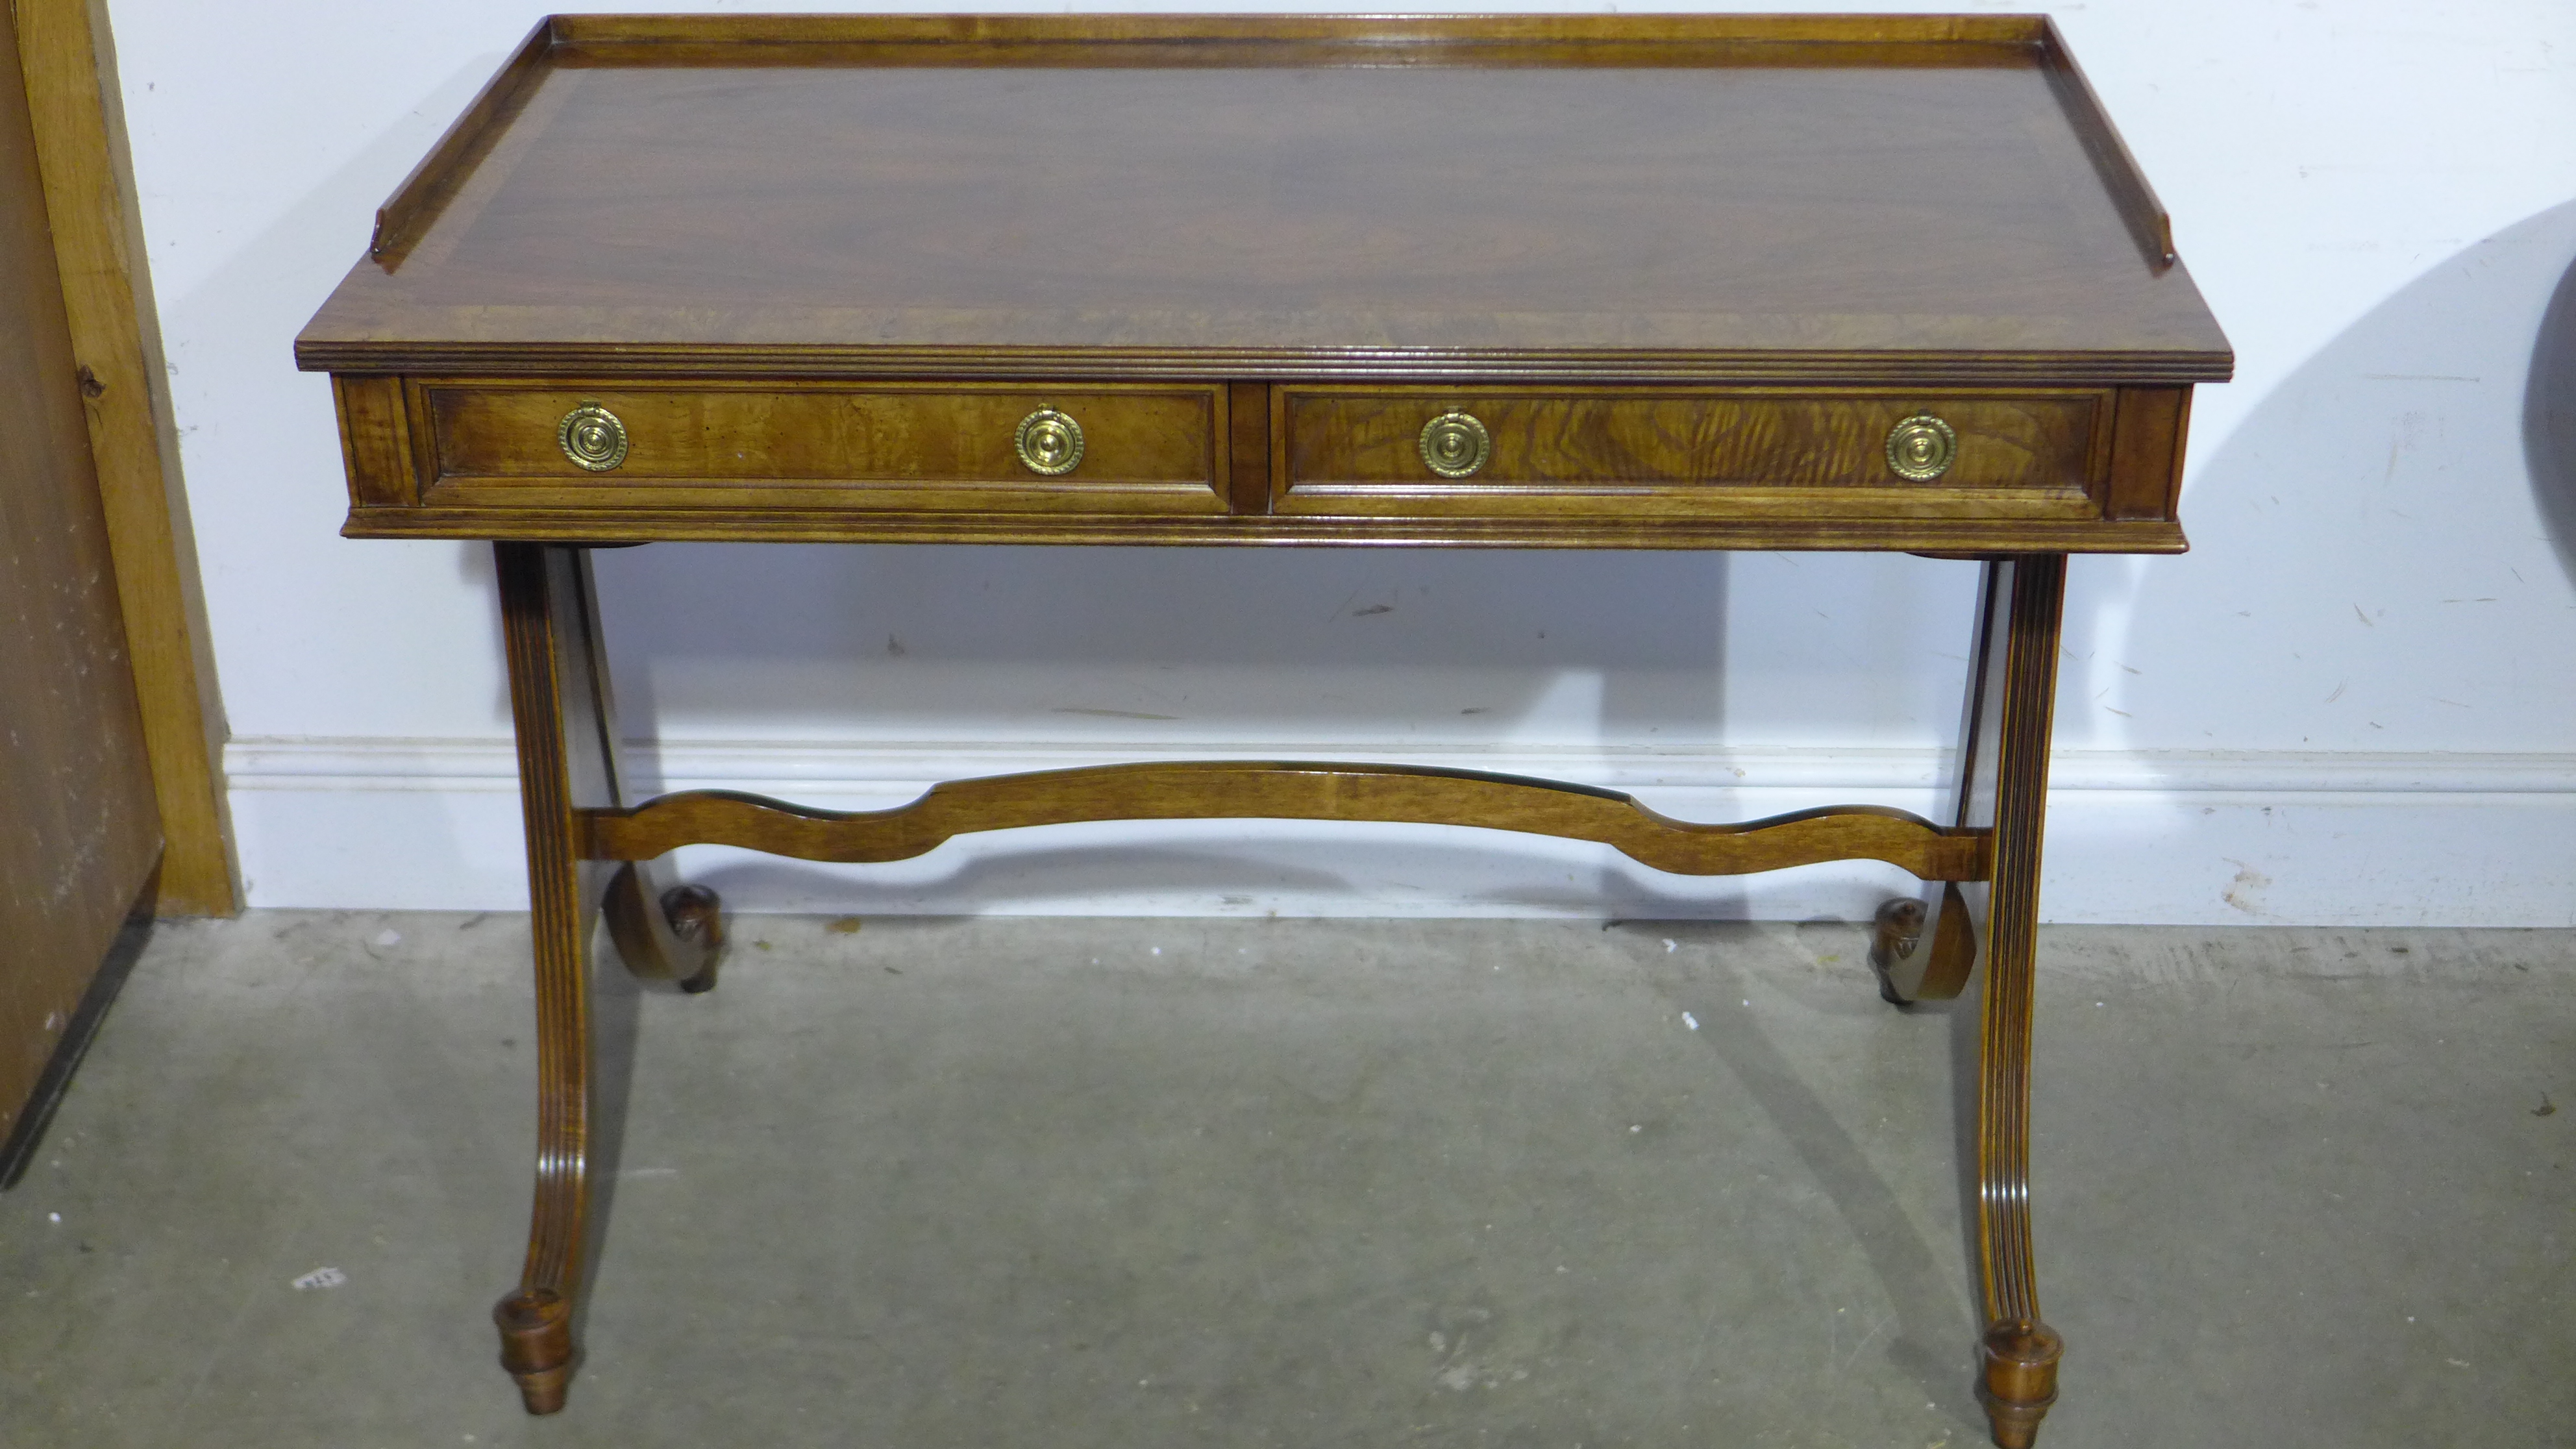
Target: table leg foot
x,y
1912,969
2021,1357
696,915
536,1345
667,935
1893,939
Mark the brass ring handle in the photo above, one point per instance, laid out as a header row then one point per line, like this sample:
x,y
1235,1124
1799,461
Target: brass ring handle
x,y
1455,445
1921,448
1049,443
592,437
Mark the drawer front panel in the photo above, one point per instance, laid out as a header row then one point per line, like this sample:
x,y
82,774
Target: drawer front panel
x,y
1694,454
926,449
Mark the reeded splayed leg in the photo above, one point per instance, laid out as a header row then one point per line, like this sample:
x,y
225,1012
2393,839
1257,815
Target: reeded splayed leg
x,y
1910,969
2017,665
567,735
561,770
2001,786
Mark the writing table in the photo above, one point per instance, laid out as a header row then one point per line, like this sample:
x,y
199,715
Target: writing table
x,y
1700,282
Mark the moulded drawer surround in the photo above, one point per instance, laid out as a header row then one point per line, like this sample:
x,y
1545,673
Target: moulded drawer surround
x,y
1694,453
875,446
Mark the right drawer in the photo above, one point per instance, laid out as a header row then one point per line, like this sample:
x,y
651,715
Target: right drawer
x,y
1697,453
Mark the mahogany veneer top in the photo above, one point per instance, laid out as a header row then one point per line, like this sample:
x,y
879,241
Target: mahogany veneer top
x,y
1548,196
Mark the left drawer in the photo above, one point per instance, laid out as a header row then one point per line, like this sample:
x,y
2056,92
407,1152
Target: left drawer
x,y
891,447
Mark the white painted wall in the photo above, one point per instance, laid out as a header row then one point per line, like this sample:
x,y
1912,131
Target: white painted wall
x,y
2354,702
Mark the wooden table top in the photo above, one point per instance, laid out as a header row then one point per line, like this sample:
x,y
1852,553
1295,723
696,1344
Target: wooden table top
x,y
1889,199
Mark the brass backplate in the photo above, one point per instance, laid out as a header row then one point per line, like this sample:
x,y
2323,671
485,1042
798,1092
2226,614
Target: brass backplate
x,y
592,437
1049,442
1455,445
1921,448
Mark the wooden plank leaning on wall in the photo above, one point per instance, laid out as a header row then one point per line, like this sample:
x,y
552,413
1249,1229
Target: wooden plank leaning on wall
x,y
69,59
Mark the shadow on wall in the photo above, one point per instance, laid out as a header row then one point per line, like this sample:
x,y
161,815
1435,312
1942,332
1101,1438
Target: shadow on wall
x,y
2370,570
2549,420
2383,574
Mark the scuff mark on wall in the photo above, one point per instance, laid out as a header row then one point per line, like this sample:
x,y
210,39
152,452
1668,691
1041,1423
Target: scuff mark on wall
x,y
2245,891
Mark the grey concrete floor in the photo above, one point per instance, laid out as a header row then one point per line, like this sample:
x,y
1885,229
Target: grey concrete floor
x,y
1142,1183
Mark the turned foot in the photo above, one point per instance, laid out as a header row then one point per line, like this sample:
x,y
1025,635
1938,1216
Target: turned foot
x,y
674,935
536,1345
2021,1378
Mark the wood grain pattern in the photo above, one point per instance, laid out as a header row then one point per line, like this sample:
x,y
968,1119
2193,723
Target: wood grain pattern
x,y
78,837
2120,172
466,141
1434,196
1587,365
2000,787
2025,604
1277,790
375,442
1796,521
2019,1359
786,445
671,933
1976,773
2147,453
1667,453
565,720
662,931
943,38
1248,422
1688,268
564,768
67,59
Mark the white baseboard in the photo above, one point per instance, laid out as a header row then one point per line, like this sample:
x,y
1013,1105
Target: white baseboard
x,y
2182,838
